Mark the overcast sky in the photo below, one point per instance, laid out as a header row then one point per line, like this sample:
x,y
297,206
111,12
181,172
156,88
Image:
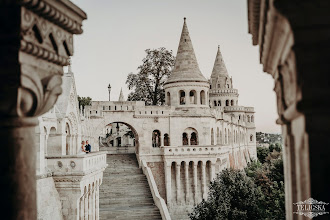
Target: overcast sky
x,y
116,34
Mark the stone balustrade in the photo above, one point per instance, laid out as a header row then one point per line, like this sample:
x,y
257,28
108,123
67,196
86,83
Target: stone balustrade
x,y
76,164
235,91
194,150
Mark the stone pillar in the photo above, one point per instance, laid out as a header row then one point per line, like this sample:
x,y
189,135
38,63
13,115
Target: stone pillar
x,y
90,204
93,203
82,205
177,179
187,98
195,182
212,171
168,177
198,97
97,200
203,180
186,178
30,83
86,205
188,137
297,59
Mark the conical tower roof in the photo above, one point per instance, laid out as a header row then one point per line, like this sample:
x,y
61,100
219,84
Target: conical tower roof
x,y
121,96
186,67
219,68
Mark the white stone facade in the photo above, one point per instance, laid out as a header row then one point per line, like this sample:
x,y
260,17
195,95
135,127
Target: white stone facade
x,y
202,130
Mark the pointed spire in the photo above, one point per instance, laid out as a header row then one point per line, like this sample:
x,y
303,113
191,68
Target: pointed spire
x,y
186,67
219,67
121,96
69,67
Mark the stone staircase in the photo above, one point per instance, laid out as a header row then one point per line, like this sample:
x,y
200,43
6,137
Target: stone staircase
x,y
125,193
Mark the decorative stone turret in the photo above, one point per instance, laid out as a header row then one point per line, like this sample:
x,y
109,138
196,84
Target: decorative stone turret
x,y
222,92
186,87
121,96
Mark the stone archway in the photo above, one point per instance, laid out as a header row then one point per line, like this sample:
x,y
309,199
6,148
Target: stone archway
x,y
123,143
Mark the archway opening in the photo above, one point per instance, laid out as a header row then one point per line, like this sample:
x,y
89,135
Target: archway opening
x,y
119,137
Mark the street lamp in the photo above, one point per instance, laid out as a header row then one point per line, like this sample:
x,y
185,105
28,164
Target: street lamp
x,y
109,89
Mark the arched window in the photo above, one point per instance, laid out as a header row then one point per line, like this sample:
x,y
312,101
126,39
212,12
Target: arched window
x,y
156,138
193,97
218,85
227,86
219,102
218,135
225,140
68,139
166,140
251,137
193,139
252,118
227,102
232,103
182,97
248,118
52,147
202,97
215,103
184,139
168,98
212,137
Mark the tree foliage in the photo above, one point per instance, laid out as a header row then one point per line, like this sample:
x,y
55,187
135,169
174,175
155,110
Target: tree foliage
x,y
255,193
232,195
147,84
83,101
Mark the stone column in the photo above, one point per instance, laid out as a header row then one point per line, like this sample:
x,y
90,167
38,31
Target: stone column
x,y
97,209
198,97
186,178
86,205
212,170
177,178
82,205
187,98
168,177
297,59
195,182
30,83
90,204
93,203
189,137
203,180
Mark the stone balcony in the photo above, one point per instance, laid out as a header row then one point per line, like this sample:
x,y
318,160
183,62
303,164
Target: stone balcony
x,y
76,164
194,150
77,179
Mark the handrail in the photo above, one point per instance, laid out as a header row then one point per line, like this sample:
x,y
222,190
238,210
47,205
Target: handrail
x,y
159,201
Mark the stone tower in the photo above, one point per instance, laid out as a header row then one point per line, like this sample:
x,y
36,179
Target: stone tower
x,y
222,92
121,96
186,87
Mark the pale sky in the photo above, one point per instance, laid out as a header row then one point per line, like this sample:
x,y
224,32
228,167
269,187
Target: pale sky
x,y
116,34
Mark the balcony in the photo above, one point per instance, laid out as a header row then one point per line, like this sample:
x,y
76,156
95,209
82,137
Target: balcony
x,y
194,150
79,165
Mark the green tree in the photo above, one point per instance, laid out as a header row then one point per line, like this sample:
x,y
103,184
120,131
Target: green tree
x,y
271,147
83,101
232,195
262,153
278,147
147,84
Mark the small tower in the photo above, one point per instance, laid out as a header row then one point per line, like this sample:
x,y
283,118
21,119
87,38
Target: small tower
x,y
186,86
121,96
222,92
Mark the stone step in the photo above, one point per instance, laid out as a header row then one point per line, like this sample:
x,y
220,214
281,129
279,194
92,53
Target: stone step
x,y
125,193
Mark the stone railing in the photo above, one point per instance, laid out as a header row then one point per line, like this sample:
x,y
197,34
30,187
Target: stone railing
x,y
194,150
224,91
77,164
159,201
234,108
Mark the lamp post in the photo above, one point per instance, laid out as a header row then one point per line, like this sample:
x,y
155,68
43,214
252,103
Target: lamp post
x,y
109,89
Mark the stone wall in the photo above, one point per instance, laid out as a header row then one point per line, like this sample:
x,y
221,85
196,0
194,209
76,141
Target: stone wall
x,y
157,169
48,201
